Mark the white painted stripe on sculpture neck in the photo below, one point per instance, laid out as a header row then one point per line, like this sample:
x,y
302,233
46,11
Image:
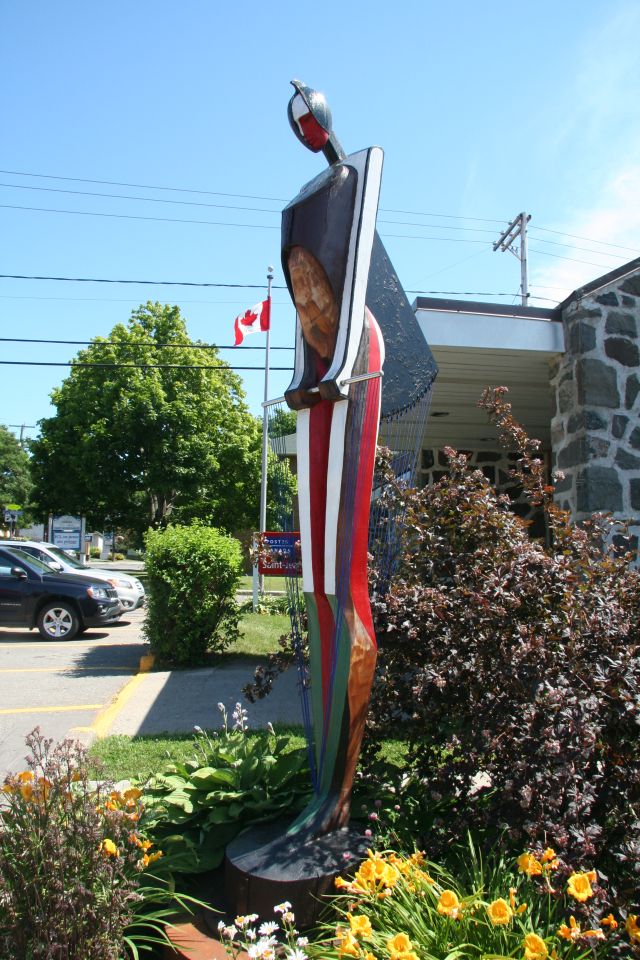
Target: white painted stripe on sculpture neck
x,y
304,496
334,484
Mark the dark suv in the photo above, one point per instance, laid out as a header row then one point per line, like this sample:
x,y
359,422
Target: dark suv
x,y
60,605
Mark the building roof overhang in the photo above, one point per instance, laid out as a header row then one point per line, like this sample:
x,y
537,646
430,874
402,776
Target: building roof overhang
x,y
479,345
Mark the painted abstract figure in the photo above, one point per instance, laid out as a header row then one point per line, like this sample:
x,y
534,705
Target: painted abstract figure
x,y
328,236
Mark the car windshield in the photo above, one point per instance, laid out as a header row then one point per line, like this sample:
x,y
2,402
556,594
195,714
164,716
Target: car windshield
x,y
30,561
65,557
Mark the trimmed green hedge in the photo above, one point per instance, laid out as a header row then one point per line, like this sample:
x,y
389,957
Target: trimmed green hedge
x,y
192,578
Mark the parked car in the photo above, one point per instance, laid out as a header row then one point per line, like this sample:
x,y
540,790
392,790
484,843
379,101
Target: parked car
x,y
60,605
130,591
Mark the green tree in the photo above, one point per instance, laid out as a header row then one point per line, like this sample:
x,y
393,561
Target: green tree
x,y
15,481
131,446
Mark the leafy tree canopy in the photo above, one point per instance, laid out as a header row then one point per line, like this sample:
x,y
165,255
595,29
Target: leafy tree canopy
x,y
15,482
132,446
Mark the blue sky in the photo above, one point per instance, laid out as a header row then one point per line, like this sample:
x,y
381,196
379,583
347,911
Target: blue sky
x,y
483,110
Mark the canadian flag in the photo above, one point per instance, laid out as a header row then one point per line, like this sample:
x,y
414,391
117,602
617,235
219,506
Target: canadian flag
x,y
255,320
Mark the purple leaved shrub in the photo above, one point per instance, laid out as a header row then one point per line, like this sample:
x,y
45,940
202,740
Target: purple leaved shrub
x,y
513,667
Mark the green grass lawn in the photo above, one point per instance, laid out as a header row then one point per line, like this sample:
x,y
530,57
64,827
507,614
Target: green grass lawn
x,y
278,584
260,634
121,757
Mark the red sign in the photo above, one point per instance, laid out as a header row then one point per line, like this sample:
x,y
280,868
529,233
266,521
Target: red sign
x,y
280,554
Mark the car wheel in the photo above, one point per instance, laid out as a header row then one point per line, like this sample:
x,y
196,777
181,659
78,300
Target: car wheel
x,y
58,621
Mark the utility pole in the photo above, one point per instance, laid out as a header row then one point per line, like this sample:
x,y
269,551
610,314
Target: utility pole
x,y
23,427
517,228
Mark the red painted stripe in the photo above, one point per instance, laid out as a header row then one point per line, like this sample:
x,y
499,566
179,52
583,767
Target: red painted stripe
x,y
359,580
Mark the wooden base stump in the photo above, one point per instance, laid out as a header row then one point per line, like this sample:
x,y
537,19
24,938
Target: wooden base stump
x,y
194,941
265,867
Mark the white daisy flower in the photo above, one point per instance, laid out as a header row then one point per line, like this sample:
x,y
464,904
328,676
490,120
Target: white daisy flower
x,y
282,907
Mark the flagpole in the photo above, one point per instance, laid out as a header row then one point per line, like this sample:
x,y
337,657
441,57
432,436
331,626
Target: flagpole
x,y
258,582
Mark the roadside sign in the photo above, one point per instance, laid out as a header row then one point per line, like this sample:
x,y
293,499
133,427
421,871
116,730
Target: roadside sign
x,y
279,554
67,532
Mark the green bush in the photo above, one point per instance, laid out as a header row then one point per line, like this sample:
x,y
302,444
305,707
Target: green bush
x,y
192,577
95,553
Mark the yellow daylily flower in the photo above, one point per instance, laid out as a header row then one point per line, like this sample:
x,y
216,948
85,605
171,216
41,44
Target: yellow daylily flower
x,y
632,928
109,847
534,947
529,864
499,912
348,946
448,905
399,946
571,932
579,885
360,925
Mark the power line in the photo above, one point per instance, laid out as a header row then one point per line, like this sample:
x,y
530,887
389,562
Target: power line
x,y
120,196
249,286
574,236
157,283
7,296
138,343
143,186
194,203
556,256
218,193
206,223
133,216
263,226
573,246
138,366
248,196
445,216
221,206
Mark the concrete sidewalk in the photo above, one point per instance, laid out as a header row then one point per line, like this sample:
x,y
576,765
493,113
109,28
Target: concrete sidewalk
x,y
174,701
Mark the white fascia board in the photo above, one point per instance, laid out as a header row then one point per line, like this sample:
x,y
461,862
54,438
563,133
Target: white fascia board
x,y
443,328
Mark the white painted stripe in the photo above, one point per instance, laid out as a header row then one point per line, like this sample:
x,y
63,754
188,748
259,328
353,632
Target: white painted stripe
x,y
334,479
378,333
298,362
304,496
358,262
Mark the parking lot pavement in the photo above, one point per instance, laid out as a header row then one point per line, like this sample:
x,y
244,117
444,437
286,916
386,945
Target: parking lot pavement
x,y
61,686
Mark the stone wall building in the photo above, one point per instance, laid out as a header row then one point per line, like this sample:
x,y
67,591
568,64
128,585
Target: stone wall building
x,y
574,382
595,430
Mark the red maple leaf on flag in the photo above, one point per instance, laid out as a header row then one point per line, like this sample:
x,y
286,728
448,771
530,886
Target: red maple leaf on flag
x,y
248,318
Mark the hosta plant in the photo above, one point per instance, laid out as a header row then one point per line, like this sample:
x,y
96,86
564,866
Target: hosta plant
x,y
235,778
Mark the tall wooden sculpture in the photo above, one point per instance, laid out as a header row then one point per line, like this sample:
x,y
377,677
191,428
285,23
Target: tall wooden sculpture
x,y
349,305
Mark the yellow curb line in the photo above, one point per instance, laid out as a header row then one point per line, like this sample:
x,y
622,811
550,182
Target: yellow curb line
x,y
106,717
80,706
